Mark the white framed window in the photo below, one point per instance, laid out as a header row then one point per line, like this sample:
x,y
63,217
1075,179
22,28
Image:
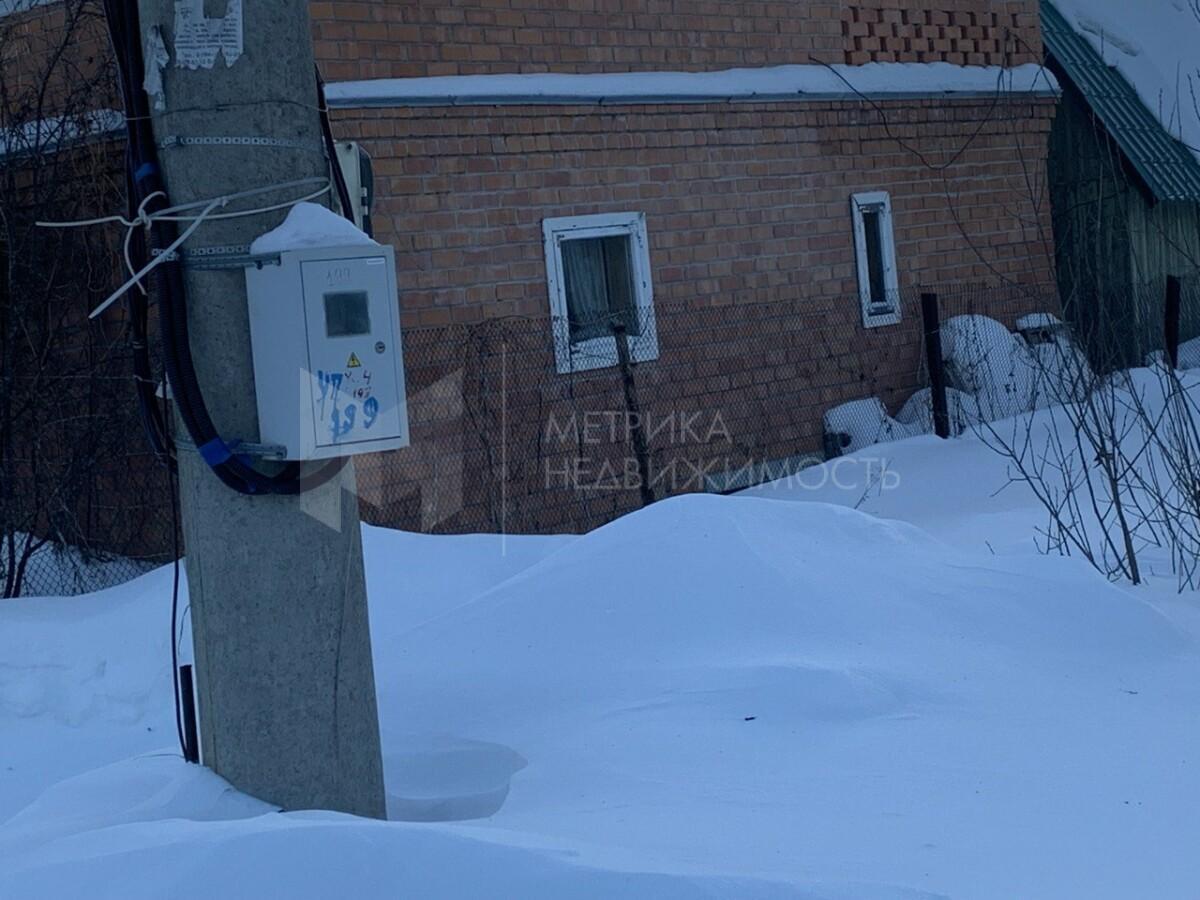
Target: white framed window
x,y
875,253
598,270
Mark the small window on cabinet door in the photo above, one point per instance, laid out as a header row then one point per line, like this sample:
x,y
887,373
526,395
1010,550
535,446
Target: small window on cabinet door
x,y
875,252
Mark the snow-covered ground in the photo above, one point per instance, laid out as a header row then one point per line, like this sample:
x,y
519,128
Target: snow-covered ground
x,y
771,695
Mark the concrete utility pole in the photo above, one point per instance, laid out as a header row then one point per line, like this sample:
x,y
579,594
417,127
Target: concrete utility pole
x,y
278,597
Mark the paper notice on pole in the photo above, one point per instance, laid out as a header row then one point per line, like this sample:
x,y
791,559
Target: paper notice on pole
x,y
156,58
200,40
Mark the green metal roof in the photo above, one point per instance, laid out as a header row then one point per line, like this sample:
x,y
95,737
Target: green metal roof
x,y
1169,169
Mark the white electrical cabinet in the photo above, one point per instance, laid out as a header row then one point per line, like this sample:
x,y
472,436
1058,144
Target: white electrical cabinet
x,y
328,365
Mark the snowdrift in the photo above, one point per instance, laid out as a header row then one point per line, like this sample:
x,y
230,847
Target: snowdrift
x,y
714,697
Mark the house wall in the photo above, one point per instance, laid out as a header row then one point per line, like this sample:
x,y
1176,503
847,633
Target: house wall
x,y
1164,240
405,38
362,39
1115,245
752,257
962,32
748,211
744,201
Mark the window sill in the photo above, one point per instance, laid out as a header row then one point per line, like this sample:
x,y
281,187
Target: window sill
x,y
601,353
873,319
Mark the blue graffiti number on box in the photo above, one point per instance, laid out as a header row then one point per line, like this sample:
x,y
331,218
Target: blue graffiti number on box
x,y
342,420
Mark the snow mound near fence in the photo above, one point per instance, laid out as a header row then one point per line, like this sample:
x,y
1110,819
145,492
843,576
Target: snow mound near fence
x,y
991,373
917,412
989,362
52,666
1189,354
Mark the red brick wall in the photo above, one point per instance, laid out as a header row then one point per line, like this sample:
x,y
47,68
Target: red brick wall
x,y
751,248
54,56
402,38
742,201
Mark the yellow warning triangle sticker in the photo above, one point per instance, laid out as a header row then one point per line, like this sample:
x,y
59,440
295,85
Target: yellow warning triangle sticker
x,y
353,362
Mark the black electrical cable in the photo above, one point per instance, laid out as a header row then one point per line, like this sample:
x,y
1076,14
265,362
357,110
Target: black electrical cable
x,y
172,475
153,422
154,418
148,193
339,177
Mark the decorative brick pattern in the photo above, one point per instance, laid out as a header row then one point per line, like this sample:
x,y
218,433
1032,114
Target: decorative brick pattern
x,y
355,39
962,32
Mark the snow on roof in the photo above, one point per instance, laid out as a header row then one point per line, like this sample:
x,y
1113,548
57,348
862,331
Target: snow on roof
x,y
16,6
768,83
1152,43
43,135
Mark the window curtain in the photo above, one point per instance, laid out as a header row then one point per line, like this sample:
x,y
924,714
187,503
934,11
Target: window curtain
x,y
586,288
599,284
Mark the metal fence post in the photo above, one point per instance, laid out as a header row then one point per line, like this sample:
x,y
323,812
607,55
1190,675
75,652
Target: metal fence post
x,y
1171,320
637,429
937,372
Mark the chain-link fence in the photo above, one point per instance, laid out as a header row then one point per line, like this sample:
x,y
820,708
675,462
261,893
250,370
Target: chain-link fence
x,y
538,425
85,504
543,425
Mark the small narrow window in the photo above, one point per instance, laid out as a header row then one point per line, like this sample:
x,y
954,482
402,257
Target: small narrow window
x,y
875,249
599,276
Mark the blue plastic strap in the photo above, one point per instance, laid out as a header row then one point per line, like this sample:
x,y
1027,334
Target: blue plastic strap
x,y
216,452
145,170
241,457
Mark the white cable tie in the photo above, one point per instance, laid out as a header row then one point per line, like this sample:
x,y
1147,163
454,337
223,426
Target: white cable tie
x,y
146,220
157,261
170,214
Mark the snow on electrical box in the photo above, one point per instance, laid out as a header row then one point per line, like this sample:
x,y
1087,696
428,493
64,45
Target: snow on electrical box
x,y
325,335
